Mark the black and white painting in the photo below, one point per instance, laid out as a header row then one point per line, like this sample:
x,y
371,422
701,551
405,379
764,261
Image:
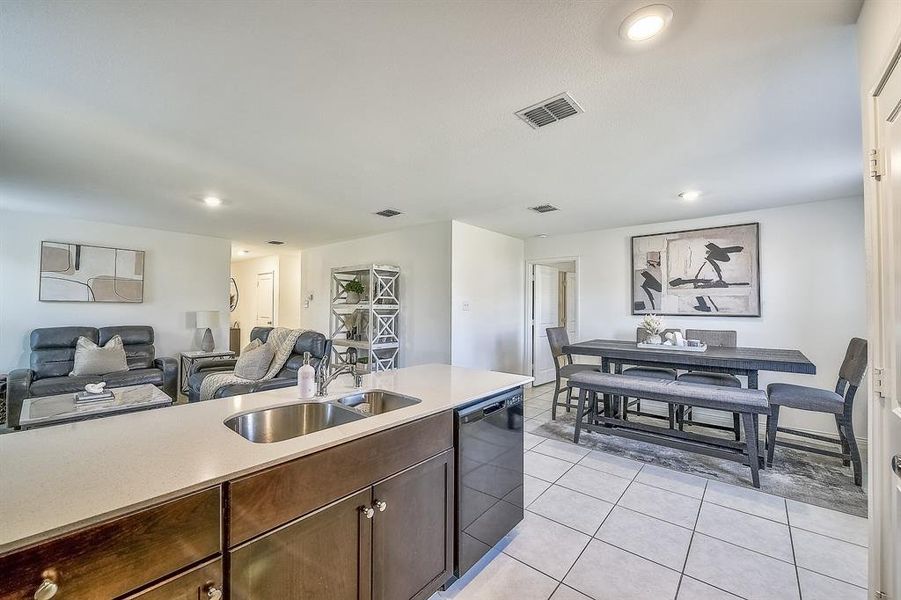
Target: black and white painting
x,y
702,272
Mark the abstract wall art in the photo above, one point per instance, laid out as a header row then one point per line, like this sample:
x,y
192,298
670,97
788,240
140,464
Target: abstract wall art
x,y
701,272
82,273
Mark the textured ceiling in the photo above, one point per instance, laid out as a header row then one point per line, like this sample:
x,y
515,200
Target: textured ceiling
x,y
307,117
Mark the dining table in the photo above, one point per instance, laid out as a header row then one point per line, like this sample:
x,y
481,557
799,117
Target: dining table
x,y
740,361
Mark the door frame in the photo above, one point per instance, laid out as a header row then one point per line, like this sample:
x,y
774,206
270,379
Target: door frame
x,y
272,308
527,312
878,292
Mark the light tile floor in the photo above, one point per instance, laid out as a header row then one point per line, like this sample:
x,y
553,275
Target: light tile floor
x,y
601,527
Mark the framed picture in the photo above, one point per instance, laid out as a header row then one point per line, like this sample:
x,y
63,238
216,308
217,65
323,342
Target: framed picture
x,y
700,272
82,273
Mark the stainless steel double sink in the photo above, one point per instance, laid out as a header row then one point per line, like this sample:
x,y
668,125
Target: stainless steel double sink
x,y
293,420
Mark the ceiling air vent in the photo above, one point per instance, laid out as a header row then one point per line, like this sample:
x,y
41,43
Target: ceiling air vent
x,y
544,208
549,111
275,242
388,212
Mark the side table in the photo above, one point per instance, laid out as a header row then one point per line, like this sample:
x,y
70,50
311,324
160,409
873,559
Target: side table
x,y
187,360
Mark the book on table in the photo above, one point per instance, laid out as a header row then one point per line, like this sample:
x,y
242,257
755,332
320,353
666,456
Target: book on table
x,y
87,397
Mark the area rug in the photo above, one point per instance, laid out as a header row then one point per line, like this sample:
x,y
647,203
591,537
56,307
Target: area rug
x,y
797,475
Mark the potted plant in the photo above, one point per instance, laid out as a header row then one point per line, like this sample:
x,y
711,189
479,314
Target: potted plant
x,y
653,326
354,289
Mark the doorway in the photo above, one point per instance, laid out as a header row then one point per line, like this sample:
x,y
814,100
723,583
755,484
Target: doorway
x,y
265,299
552,300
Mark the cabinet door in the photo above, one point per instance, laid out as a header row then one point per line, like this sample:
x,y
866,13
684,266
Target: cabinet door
x,y
412,537
324,555
201,583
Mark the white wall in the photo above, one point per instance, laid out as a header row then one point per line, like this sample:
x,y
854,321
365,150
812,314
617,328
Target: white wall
x,y
183,273
289,290
812,288
423,255
245,273
487,294
286,291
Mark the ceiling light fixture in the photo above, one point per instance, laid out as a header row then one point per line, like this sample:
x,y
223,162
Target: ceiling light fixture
x,y
646,22
212,201
541,235
690,195
245,252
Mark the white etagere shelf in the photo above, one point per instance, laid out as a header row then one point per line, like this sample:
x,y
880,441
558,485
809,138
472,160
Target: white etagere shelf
x,y
369,326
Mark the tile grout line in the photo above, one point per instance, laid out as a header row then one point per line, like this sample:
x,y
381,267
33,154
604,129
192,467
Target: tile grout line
x,y
826,535
700,506
691,540
831,578
791,539
590,539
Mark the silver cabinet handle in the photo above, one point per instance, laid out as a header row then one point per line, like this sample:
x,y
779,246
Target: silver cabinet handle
x,y
381,505
46,590
368,512
212,592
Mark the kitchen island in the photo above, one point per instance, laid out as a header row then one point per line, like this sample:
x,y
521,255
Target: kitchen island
x,y
167,472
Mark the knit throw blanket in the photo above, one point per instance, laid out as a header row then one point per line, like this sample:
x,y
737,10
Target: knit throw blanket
x,y
281,337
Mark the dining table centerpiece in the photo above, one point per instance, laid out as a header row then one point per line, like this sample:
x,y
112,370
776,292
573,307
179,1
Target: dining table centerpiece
x,y
653,326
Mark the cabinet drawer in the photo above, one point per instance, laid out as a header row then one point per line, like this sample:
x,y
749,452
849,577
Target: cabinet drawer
x,y
263,501
200,583
113,558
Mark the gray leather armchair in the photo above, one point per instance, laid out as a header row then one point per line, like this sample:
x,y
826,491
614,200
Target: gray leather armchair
x,y
53,355
315,343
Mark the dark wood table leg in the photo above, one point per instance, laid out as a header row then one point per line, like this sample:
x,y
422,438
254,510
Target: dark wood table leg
x,y
606,365
580,412
749,422
753,384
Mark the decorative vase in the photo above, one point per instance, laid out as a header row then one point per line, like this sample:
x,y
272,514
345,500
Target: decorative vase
x,y
353,298
653,339
206,344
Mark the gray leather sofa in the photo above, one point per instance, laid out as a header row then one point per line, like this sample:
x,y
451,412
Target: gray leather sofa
x,y
52,358
315,343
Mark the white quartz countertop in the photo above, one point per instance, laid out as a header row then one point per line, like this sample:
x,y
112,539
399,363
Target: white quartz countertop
x,y
60,478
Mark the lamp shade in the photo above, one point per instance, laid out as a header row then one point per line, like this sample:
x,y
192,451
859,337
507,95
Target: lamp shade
x,y
207,319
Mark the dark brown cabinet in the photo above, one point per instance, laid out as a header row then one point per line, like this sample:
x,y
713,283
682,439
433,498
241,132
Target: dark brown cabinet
x,y
119,556
370,519
324,555
391,541
412,538
200,583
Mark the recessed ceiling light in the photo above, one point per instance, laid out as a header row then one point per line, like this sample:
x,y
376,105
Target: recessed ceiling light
x,y
541,235
690,195
646,22
212,201
245,251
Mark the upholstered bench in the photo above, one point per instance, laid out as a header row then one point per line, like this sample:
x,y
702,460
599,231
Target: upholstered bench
x,y
749,404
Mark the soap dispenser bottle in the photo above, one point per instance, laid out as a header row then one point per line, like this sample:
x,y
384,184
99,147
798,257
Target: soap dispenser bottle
x,y
306,379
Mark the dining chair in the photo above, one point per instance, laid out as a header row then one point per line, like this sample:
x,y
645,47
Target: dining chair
x,y
660,373
839,403
563,366
717,338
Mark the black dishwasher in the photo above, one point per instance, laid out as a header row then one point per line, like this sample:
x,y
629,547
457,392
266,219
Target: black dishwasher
x,y
489,445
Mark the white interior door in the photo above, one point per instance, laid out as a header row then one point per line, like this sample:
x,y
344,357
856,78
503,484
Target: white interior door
x,y
545,313
884,232
265,299
570,304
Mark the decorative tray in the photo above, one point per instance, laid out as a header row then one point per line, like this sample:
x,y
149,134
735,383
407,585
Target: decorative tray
x,y
701,348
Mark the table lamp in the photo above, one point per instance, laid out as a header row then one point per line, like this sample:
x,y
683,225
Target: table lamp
x,y
207,319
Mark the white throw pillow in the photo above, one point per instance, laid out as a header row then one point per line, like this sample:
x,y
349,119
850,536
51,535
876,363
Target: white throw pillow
x,y
254,360
91,359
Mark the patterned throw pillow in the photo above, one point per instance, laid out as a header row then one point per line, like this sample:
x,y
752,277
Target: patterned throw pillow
x,y
254,360
91,359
